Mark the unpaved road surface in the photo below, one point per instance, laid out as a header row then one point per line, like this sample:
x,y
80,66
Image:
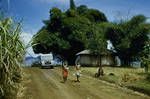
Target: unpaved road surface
x,y
47,84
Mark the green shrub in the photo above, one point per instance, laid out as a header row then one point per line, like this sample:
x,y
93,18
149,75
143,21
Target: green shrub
x,y
11,55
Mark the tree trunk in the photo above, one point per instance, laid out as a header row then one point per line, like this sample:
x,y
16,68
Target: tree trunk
x,y
146,66
100,71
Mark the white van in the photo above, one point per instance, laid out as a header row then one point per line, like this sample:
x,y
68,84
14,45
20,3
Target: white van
x,y
47,60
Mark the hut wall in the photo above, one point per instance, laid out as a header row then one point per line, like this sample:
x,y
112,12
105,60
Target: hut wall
x,y
107,60
90,60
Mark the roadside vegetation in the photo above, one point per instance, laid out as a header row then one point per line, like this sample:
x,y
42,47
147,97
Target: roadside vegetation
x,y
132,78
11,55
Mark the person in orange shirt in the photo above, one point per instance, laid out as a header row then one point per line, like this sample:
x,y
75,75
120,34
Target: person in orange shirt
x,y
65,73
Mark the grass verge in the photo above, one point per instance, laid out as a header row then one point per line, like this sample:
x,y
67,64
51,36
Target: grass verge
x,y
132,78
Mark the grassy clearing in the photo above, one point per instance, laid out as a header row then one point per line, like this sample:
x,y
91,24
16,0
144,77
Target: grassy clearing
x,y
133,78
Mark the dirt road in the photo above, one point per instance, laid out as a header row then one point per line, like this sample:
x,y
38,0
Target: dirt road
x,y
46,84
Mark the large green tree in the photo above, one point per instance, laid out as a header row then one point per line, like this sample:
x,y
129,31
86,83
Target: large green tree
x,y
92,14
72,5
66,33
97,44
129,37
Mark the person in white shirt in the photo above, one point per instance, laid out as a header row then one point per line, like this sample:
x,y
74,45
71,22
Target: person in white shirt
x,y
78,72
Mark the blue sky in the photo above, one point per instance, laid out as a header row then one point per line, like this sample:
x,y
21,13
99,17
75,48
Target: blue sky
x,y
34,11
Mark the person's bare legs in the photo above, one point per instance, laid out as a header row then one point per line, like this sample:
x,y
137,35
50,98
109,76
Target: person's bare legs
x,y
65,79
78,78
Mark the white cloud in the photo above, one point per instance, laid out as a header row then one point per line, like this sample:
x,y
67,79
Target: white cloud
x,y
26,38
148,20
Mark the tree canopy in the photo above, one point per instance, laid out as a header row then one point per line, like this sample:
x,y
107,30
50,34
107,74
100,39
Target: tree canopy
x,y
67,33
78,28
72,5
129,37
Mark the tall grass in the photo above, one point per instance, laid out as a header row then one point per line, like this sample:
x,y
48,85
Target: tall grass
x,y
12,51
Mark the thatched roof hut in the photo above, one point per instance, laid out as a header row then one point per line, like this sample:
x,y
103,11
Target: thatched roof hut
x,y
87,58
